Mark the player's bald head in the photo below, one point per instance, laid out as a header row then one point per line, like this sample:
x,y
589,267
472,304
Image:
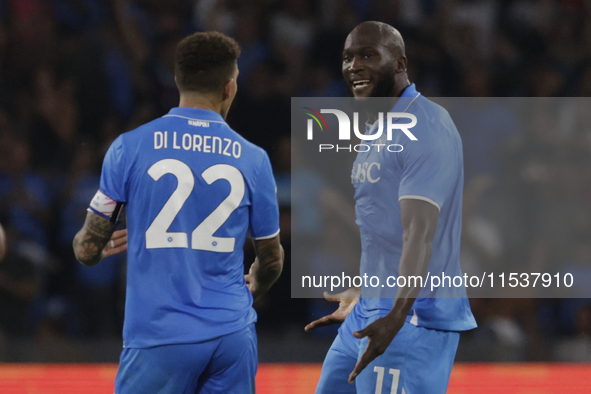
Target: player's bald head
x,y
379,33
374,54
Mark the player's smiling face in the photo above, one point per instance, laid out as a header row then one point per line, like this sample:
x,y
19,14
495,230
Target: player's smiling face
x,y
368,65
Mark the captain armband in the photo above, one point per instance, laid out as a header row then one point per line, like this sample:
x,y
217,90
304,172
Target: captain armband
x,y
106,207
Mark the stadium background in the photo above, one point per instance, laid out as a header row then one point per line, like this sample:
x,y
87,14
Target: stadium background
x,y
74,74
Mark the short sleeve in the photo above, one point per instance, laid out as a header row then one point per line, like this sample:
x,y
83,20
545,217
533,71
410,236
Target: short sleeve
x,y
430,172
264,214
114,172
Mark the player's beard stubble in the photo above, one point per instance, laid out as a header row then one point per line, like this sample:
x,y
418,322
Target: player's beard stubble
x,y
385,85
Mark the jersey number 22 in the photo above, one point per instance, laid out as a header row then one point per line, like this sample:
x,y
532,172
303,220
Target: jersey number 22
x,y
202,238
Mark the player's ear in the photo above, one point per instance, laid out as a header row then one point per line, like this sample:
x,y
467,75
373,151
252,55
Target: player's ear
x,y
176,82
227,90
400,64
231,86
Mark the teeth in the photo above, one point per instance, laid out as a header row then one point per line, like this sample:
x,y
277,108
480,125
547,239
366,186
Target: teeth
x,y
361,83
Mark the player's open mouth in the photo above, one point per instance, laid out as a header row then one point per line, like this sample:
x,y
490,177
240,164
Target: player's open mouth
x,y
361,87
361,83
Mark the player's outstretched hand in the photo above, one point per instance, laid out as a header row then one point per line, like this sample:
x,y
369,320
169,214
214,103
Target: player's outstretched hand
x,y
380,334
117,244
347,300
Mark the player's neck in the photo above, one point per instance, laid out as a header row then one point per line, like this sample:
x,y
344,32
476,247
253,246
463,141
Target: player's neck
x,y
387,103
200,102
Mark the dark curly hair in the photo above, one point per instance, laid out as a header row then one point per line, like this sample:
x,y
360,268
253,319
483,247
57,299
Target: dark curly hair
x,y
204,62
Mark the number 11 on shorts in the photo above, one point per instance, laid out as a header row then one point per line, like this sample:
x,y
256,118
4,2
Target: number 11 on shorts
x,y
380,380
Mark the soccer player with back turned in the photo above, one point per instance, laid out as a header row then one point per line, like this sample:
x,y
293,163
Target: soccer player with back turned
x,y
192,188
410,224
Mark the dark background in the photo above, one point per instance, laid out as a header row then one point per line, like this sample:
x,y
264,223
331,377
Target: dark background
x,y
74,74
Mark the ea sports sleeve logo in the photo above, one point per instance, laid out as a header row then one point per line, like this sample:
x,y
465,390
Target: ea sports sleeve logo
x,y
344,133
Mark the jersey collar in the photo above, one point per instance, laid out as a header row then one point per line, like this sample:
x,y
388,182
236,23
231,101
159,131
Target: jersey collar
x,y
197,113
401,105
410,92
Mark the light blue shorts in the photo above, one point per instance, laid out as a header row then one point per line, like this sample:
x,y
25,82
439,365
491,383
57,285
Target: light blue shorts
x,y
227,364
418,361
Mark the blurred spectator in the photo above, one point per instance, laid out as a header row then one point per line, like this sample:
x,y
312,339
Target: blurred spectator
x,y
53,128
577,349
254,50
282,170
19,284
27,195
292,25
482,241
166,93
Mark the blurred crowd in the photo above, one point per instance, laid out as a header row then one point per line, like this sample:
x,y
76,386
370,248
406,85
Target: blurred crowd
x,y
74,74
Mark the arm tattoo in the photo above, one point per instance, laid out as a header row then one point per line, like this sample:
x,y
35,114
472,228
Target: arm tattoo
x,y
92,238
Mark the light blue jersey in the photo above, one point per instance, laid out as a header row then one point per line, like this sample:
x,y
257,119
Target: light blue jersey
x,y
428,169
193,188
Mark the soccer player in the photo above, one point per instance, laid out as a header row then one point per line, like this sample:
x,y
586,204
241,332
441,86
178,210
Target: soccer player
x,y
192,188
410,223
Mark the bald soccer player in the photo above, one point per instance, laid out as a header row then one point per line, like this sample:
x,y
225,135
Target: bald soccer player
x,y
403,342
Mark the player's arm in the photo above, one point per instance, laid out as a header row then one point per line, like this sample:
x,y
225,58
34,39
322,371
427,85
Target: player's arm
x,y
266,267
98,239
419,222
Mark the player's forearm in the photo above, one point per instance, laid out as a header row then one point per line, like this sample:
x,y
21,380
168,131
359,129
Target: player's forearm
x,y
86,249
269,263
414,262
89,242
419,222
83,255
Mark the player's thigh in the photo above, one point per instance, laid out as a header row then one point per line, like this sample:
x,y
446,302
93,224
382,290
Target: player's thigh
x,y
418,361
341,359
335,371
163,369
233,366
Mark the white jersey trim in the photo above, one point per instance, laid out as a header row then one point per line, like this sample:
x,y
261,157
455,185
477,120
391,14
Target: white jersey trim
x,y
267,236
422,198
414,320
199,120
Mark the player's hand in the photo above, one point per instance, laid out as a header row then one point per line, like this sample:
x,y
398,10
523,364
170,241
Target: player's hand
x,y
347,300
251,282
380,334
117,244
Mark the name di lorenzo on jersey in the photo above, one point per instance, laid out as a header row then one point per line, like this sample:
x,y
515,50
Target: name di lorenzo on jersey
x,y
197,143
